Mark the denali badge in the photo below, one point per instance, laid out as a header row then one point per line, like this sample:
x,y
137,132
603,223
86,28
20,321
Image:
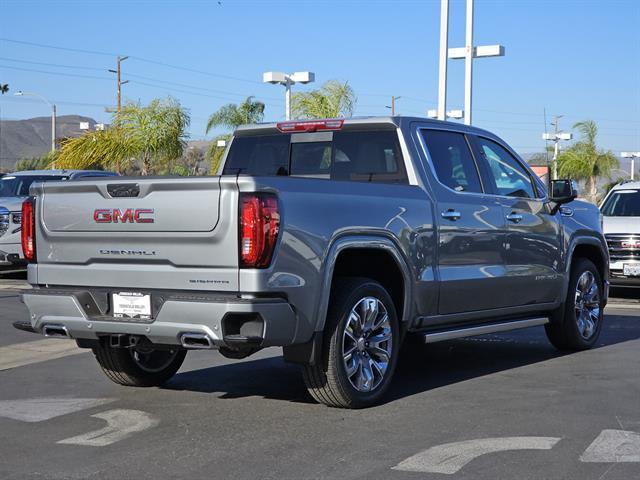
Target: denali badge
x,y
130,215
137,253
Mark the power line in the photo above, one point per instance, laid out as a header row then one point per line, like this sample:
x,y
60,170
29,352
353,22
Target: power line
x,y
141,59
75,67
42,45
77,75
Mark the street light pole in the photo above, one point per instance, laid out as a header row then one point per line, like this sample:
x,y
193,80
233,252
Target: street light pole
x,y
444,47
280,78
468,64
555,137
20,93
468,53
287,99
632,156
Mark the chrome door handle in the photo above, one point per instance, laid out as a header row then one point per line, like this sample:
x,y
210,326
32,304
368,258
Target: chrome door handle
x,y
452,215
514,217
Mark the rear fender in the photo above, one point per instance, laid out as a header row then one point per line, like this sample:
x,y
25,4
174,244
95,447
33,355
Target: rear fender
x,y
370,241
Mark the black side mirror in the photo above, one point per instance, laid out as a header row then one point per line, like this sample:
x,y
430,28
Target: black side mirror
x,y
563,191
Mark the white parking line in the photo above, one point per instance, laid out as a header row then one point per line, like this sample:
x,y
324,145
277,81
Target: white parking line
x,y
449,458
41,409
21,354
13,284
613,446
120,425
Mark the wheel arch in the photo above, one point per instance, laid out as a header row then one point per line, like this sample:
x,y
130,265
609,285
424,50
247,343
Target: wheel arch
x,y
362,245
592,249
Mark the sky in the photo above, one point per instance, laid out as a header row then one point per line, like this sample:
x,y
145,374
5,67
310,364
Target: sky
x,y
577,58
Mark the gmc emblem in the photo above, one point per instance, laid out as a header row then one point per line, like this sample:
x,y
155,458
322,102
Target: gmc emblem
x,y
631,244
130,215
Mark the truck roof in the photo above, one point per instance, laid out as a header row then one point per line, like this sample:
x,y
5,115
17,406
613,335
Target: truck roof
x,y
398,121
54,172
626,185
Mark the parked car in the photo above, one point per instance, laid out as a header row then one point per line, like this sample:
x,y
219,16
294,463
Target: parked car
x,y
621,224
14,188
330,238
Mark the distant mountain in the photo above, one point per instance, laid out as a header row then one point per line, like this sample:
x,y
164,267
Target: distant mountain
x,y
32,137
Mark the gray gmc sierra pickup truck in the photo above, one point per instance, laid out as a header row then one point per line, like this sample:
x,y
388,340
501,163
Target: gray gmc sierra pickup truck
x,y
334,239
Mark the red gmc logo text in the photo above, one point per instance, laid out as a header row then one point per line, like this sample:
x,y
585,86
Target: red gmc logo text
x,y
130,215
631,244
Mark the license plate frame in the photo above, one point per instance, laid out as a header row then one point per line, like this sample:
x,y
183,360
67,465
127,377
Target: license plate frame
x,y
131,305
631,269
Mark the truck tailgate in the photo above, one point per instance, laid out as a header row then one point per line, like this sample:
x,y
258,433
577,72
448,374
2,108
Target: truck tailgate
x,y
171,233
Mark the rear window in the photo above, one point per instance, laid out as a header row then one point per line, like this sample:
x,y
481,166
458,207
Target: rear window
x,y
363,156
18,186
622,203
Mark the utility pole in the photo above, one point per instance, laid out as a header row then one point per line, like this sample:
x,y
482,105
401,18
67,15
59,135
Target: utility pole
x,y
119,80
393,105
444,47
555,137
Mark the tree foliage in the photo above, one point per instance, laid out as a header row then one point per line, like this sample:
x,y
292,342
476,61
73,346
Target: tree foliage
x,y
333,99
232,116
4,88
585,161
37,163
142,138
215,153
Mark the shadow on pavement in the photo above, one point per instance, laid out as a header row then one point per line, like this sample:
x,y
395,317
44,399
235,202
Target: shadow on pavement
x,y
420,368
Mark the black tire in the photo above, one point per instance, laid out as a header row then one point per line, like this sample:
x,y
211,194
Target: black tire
x,y
563,330
126,367
328,381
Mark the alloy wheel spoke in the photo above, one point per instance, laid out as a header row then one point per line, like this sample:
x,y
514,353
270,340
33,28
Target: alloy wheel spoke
x,y
369,313
380,353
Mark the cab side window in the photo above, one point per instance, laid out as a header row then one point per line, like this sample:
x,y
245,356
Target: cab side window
x,y
510,178
452,160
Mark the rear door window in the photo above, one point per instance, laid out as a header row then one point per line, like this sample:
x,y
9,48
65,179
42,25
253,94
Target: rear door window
x,y
372,156
452,160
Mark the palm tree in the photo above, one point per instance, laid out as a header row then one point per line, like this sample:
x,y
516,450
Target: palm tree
x,y
231,116
4,88
151,135
585,161
332,100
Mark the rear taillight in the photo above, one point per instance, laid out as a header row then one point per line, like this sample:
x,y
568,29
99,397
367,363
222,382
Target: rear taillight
x,y
28,234
259,226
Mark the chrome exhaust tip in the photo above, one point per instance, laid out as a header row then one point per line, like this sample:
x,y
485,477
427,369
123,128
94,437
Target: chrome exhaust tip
x,y
52,330
196,341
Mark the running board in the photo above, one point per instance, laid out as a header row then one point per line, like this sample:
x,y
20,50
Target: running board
x,y
461,332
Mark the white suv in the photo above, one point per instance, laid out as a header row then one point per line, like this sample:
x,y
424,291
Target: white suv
x,y
621,222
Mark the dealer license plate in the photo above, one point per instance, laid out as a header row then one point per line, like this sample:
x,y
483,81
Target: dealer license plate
x,y
631,269
131,305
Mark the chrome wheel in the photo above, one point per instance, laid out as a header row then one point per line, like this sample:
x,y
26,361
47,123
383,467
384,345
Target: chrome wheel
x,y
152,361
367,343
587,305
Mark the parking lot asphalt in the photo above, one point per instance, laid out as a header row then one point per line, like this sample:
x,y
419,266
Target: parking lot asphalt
x,y
501,406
